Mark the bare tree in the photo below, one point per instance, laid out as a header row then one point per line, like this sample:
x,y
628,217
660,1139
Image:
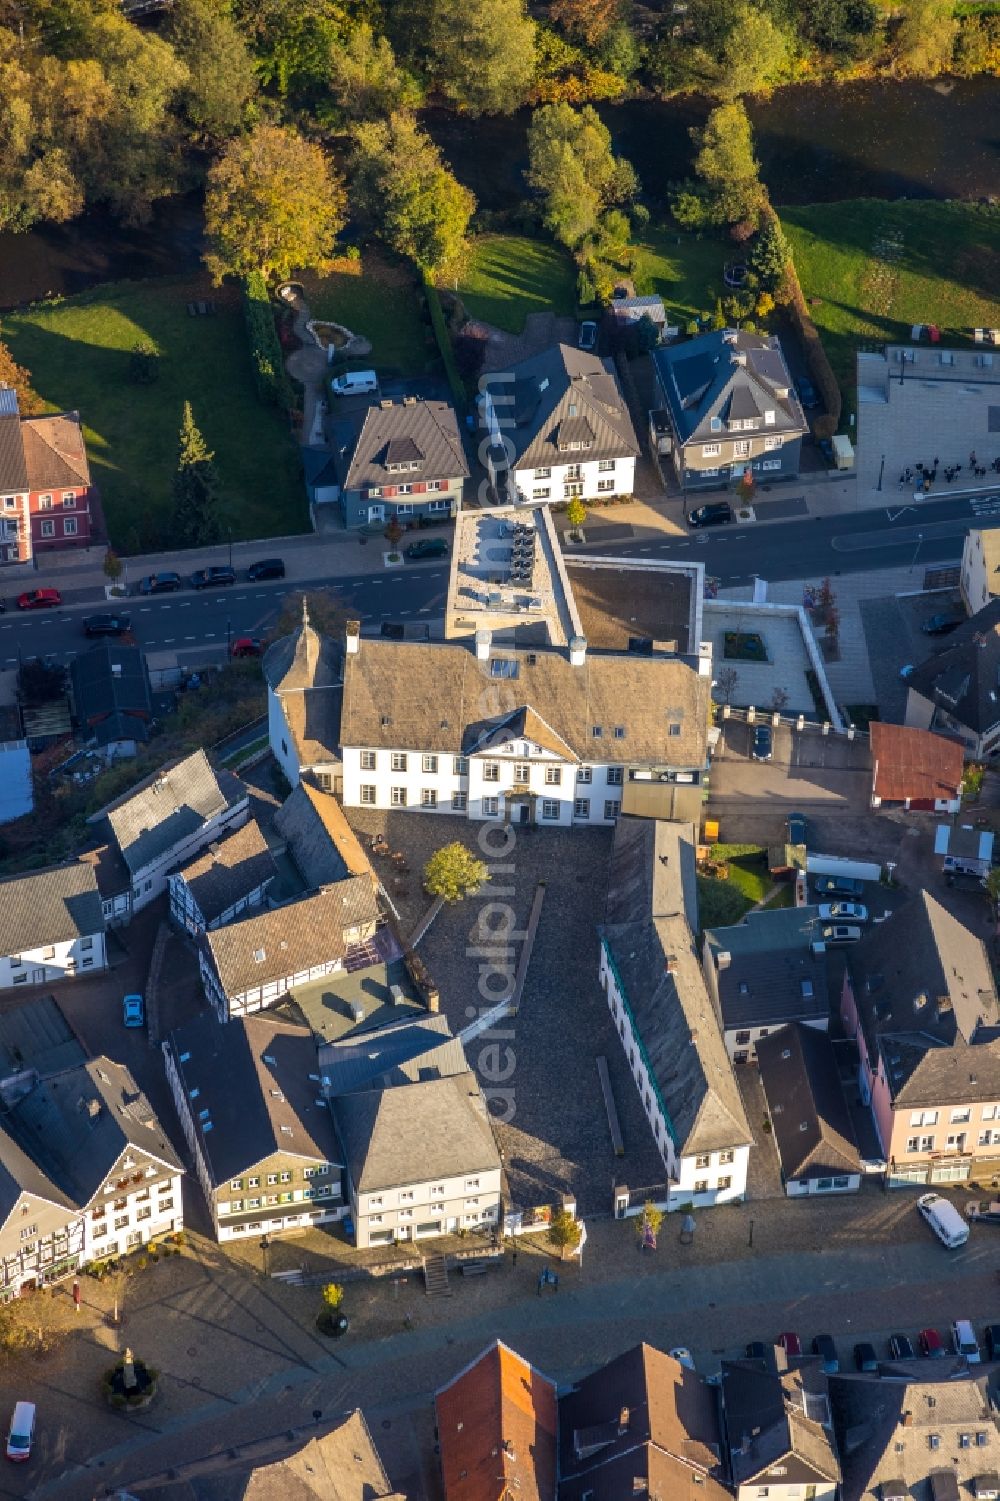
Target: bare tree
x,y
726,682
779,700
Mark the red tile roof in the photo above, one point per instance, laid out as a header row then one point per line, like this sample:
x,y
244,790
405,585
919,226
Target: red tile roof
x,y
497,1431
915,764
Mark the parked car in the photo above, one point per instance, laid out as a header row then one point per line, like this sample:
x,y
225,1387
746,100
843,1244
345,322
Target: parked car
x,y
790,1343
683,1356
944,1219
931,1344
963,1338
107,625
942,623
824,1347
39,599
246,646
865,1358
133,1011
160,583
21,1432
267,568
983,1212
900,1347
808,394
825,447
757,1350
588,335
393,630
840,932
430,547
719,513
993,1341
213,578
763,743
796,828
838,886
843,912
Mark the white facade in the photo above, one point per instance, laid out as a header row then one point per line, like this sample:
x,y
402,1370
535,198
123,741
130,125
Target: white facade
x,y
979,570
418,1211
718,1177
140,1200
771,1482
53,961
518,779
282,739
150,881
839,1183
590,479
259,996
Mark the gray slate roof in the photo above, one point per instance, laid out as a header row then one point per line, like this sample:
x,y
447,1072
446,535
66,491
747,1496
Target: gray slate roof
x,y
19,1174
412,1133
170,806
563,395
75,1126
773,1417
321,841
809,1115
728,376
418,433
35,1036
304,671
651,888
13,469
772,975
877,1449
327,1006
303,934
926,999
963,676
252,1075
56,905
111,692
405,1052
230,870
438,696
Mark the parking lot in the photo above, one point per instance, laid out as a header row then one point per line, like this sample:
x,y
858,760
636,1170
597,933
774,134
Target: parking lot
x,y
540,1065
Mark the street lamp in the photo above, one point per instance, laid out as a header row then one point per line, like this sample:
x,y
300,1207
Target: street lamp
x,y
229,533
265,1246
920,538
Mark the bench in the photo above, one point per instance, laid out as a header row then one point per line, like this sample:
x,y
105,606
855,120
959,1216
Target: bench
x,y
475,1268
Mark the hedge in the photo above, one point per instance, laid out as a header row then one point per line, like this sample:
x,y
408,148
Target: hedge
x,y
444,344
816,358
265,347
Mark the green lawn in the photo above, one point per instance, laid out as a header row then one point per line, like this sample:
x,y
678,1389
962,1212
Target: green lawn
x,y
720,903
381,301
870,270
684,269
510,276
78,352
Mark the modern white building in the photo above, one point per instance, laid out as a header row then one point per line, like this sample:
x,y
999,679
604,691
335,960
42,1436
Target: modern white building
x,y
88,1173
261,1136
559,427
662,1012
52,926
159,826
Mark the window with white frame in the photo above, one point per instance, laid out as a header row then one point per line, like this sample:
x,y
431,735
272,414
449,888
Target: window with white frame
x,y
605,485
924,1118
550,808
69,526
368,760
398,761
711,450
773,440
606,466
770,464
742,448
491,771
584,775
581,807
461,766
45,502
615,776
48,528
543,474
429,763
769,418
460,801
553,776
397,796
428,797
541,492
367,793
522,771
69,500
491,807
612,807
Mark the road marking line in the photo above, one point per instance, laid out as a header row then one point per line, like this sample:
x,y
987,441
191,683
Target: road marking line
x,y
190,638
12,661
209,636
169,640
186,605
645,549
241,596
406,612
144,609
424,610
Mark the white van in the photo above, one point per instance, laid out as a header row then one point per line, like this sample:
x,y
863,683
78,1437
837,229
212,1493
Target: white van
x,y
22,1431
355,383
944,1219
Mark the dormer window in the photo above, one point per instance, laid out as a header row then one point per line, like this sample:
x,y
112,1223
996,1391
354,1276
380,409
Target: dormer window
x,y
769,419
715,424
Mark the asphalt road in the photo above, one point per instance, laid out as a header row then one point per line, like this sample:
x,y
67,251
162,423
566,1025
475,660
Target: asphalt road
x,y
903,533
175,622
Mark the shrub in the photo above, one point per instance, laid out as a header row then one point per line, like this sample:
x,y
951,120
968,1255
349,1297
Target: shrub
x,y
333,1296
444,343
265,347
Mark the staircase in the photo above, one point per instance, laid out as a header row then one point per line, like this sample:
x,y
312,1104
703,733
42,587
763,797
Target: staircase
x,y
436,1277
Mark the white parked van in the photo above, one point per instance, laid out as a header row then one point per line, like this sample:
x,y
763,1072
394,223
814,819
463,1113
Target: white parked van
x,y
22,1431
355,383
944,1219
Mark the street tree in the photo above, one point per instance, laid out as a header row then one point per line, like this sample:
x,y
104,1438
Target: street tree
x,y
576,512
564,1232
726,682
274,204
195,488
453,872
482,53
417,206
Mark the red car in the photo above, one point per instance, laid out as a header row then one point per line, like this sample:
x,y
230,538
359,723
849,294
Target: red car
x,y
790,1343
39,599
246,646
931,1344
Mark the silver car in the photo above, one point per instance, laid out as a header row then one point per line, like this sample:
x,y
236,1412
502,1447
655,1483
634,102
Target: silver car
x,y
843,912
840,933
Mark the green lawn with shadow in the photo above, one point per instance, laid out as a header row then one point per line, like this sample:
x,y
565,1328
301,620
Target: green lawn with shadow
x,y
78,351
381,301
684,269
510,276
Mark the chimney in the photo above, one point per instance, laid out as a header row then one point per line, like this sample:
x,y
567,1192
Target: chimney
x,y
93,1109
577,650
723,959
623,1418
484,640
907,1419
672,964
352,642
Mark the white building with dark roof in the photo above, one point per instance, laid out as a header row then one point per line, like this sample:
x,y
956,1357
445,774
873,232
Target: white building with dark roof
x,y
662,1012
559,426
303,674
765,971
52,926
229,879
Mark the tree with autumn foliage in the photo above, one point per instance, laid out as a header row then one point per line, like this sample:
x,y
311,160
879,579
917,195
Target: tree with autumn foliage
x,y
587,21
29,403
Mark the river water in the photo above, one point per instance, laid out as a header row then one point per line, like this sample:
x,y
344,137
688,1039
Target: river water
x,y
816,144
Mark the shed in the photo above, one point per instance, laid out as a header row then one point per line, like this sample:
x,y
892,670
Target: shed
x,y
843,451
